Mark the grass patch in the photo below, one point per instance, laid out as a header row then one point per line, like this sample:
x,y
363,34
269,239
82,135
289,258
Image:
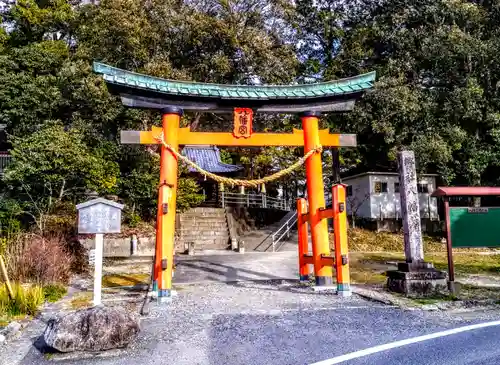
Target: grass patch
x,y
366,271
360,276
116,280
435,299
6,318
54,292
465,263
26,300
363,240
425,301
82,300
370,268
473,292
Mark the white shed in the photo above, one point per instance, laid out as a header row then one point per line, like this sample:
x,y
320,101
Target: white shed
x,y
375,196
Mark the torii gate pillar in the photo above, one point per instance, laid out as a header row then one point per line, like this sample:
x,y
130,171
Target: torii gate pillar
x,y
167,198
316,198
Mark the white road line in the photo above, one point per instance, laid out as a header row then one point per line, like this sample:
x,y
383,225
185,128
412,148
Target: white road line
x,y
409,341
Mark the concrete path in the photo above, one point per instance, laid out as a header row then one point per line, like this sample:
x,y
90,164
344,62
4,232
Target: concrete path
x,y
236,267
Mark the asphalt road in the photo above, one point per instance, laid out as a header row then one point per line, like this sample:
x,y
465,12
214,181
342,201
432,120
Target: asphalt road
x,y
279,323
476,347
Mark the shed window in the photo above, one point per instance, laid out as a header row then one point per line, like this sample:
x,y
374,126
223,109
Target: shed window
x,y
423,188
380,187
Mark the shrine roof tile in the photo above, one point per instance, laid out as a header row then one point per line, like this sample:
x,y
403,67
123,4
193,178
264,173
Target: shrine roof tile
x,y
122,77
208,158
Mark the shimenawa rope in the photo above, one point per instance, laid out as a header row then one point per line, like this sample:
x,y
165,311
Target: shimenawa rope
x,y
238,182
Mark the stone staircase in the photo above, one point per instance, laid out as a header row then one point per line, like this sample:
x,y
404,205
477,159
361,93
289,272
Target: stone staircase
x,y
205,227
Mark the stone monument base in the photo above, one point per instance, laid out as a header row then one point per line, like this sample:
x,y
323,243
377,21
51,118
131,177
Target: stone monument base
x,y
416,279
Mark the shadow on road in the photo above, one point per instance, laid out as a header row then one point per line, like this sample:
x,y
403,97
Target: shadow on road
x,y
199,268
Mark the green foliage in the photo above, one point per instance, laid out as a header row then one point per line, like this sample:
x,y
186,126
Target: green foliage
x,y
140,187
27,299
52,163
188,194
60,161
10,212
133,219
53,292
46,76
33,20
437,90
225,156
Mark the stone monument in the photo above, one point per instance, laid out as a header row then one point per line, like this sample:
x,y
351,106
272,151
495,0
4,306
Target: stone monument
x,y
413,277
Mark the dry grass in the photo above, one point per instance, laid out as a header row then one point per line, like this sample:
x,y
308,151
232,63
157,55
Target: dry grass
x,y
465,263
361,275
479,292
36,259
365,271
6,318
117,280
362,240
82,300
373,253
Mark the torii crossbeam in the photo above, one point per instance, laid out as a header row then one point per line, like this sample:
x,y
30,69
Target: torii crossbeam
x,y
172,97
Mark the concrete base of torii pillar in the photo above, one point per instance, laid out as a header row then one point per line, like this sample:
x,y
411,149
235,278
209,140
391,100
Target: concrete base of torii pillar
x,y
415,277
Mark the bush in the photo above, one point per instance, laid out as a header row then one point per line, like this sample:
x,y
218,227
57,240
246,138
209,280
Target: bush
x,y
54,292
133,220
78,255
26,300
40,260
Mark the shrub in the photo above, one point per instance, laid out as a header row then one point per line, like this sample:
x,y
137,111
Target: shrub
x,y
78,255
54,292
133,220
26,300
36,259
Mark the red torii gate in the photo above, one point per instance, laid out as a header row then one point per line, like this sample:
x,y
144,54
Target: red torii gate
x,y
172,97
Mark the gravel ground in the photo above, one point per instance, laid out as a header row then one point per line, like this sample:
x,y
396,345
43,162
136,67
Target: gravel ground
x,y
274,322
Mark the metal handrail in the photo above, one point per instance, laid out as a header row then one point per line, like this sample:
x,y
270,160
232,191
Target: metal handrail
x,y
287,226
254,200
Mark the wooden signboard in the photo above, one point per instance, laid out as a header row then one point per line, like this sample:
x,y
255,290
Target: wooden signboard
x,y
98,216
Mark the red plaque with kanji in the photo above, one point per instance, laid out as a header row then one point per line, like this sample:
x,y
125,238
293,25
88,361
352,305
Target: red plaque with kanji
x,y
242,122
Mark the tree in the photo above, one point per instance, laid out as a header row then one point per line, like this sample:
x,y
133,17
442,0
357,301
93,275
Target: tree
x,y
437,67
139,186
208,41
54,165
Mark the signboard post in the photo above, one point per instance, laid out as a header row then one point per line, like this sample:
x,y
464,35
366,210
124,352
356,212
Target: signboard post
x,y
98,216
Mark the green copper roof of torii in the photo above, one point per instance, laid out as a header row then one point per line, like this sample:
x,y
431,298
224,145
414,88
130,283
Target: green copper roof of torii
x,y
132,80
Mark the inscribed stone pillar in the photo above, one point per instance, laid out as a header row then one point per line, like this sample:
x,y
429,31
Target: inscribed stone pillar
x,y
410,209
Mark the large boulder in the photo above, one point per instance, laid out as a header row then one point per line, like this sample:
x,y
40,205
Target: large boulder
x,y
93,329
